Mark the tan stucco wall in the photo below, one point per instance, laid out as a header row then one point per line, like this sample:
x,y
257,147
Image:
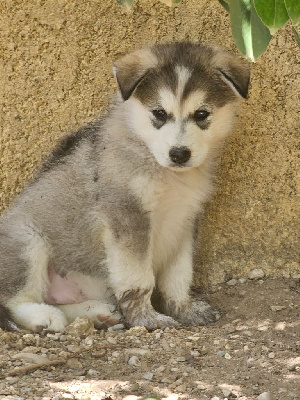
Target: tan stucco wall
x,y
56,74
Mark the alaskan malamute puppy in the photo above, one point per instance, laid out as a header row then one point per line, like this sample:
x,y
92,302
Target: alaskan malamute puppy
x,y
111,215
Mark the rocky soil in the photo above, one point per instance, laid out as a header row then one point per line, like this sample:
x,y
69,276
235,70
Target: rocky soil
x,y
252,352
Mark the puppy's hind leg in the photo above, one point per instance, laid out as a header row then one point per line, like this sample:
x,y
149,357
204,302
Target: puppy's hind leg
x,y
24,259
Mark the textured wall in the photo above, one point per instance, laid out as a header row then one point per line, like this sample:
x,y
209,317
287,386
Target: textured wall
x,y
56,74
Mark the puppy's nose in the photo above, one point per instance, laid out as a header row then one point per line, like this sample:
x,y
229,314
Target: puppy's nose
x,y
180,155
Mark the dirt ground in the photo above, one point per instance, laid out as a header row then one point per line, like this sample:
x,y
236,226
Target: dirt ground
x,y
251,352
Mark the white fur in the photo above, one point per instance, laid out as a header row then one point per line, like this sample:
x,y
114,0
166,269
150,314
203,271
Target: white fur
x,y
34,316
178,133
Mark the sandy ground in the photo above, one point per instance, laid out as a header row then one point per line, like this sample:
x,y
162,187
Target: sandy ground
x,y
252,352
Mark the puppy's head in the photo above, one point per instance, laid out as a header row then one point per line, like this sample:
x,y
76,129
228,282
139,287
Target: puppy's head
x,y
181,99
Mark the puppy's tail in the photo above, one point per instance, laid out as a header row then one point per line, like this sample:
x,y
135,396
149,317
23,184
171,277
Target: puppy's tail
x,y
6,321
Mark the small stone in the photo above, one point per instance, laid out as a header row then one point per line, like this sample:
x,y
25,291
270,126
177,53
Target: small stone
x,y
166,380
277,308
148,376
73,363
117,327
226,392
54,336
232,282
180,359
135,387
81,326
134,361
265,396
138,352
160,369
221,353
194,338
111,340
165,345
227,356
215,398
201,387
229,328
181,388
247,333
31,349
92,372
256,273
271,355
242,280
72,348
30,357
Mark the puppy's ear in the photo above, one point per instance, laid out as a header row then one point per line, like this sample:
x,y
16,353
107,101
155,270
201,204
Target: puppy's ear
x,y
131,69
234,71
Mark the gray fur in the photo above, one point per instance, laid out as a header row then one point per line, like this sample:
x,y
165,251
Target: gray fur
x,y
83,191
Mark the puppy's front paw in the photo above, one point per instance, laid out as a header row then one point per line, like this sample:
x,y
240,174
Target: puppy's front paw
x,y
197,313
152,320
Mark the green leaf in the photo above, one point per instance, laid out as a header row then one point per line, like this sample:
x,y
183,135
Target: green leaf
x,y
225,5
293,10
272,13
126,3
171,3
250,34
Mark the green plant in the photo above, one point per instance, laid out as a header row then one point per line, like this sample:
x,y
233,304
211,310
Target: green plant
x,y
253,22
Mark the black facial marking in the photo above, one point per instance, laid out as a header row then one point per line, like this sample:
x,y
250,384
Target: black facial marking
x,y
201,118
160,117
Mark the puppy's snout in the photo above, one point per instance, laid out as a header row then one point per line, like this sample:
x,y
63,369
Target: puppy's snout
x,y
180,155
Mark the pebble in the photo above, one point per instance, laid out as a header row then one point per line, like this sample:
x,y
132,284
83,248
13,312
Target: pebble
x,y
226,392
73,363
181,388
227,356
138,352
111,340
72,348
232,282
242,280
134,361
30,357
265,396
148,376
256,273
277,308
80,326
117,327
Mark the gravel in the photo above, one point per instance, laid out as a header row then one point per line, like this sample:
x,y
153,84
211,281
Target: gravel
x,y
251,353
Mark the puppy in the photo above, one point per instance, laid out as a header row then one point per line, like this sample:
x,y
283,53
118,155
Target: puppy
x,y
111,214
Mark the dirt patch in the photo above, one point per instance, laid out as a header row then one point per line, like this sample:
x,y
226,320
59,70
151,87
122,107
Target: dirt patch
x,y
252,352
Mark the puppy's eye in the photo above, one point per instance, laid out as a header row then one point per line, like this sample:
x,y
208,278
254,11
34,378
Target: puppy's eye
x,y
160,115
201,115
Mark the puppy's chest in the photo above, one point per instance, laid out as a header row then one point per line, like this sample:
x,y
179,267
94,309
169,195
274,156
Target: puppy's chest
x,y
171,204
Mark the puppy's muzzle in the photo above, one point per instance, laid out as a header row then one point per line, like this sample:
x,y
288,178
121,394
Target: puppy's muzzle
x,y
180,155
